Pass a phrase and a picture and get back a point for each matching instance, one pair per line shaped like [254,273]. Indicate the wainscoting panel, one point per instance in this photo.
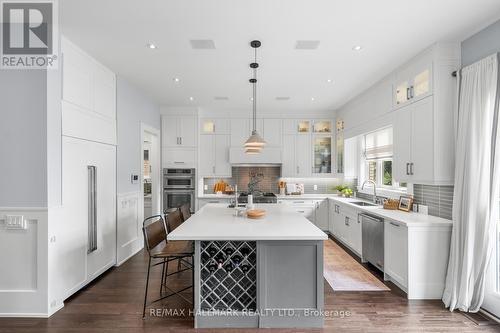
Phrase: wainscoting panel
[129,225]
[24,256]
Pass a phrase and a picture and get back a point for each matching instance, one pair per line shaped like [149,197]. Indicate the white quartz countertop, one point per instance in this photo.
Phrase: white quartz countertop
[217,222]
[410,219]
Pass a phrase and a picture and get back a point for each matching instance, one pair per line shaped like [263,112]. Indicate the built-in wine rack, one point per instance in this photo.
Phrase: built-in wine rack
[228,275]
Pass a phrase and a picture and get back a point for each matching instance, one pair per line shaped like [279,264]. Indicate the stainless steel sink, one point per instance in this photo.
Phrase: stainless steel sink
[362,203]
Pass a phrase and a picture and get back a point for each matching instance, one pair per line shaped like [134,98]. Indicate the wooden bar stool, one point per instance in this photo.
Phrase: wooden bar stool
[185,211]
[158,248]
[174,219]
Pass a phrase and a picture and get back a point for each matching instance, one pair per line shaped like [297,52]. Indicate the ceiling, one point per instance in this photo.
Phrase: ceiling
[390,32]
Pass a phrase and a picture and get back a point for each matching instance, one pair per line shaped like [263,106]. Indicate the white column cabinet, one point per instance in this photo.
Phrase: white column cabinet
[288,167]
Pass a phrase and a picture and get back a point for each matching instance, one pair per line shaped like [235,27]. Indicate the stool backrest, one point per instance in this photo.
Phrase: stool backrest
[174,219]
[154,230]
[185,211]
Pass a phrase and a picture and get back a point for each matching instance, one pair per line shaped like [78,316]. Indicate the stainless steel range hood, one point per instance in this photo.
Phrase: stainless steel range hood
[271,156]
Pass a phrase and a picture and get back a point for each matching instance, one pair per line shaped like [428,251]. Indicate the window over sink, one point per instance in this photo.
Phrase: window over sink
[376,159]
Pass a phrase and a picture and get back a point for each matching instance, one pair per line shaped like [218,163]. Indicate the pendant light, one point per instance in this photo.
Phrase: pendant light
[255,143]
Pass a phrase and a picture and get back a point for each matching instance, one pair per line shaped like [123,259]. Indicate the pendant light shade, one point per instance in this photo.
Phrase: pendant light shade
[255,142]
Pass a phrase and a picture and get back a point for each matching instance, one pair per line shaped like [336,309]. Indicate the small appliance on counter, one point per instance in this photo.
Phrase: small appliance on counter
[294,189]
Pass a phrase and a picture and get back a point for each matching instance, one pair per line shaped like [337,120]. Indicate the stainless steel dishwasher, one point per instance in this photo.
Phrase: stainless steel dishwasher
[372,239]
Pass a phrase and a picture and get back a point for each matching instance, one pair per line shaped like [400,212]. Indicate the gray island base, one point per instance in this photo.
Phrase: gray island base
[252,275]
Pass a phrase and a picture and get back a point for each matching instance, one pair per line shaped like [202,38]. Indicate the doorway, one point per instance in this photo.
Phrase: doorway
[151,171]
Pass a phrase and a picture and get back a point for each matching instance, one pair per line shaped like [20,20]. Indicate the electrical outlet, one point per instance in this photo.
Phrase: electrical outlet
[315,187]
[16,222]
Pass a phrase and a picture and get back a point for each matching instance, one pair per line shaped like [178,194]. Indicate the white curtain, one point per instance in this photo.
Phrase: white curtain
[475,199]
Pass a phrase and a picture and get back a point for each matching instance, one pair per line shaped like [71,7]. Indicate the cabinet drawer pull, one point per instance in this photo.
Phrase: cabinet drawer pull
[301,211]
[298,202]
[214,201]
[178,162]
[395,224]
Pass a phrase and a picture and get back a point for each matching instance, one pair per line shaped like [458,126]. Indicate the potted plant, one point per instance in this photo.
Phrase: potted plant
[340,188]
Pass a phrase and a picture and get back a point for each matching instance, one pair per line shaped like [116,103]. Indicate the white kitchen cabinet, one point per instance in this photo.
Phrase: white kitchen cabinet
[179,131]
[214,156]
[88,97]
[346,226]
[321,215]
[303,155]
[215,126]
[396,252]
[203,201]
[416,145]
[413,81]
[178,157]
[273,132]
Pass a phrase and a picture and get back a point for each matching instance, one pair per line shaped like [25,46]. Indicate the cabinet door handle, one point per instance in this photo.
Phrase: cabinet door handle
[408,93]
[298,169]
[407,169]
[411,168]
[180,139]
[213,169]
[394,224]
[412,92]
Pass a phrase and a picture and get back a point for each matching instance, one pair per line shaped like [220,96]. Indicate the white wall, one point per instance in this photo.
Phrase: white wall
[23,143]
[133,108]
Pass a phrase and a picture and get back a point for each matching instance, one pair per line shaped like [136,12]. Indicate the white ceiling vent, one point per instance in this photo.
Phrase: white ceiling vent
[202,44]
[221,98]
[307,44]
[282,98]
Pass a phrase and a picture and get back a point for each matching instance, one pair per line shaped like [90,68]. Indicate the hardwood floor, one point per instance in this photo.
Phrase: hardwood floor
[113,303]
[344,273]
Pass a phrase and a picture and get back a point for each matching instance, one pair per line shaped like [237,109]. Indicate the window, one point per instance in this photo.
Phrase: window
[377,158]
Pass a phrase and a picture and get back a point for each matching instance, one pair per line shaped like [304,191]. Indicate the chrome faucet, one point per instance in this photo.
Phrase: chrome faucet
[374,189]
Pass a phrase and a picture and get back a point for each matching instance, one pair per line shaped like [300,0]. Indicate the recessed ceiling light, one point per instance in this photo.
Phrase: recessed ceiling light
[329,81]
[282,98]
[357,48]
[221,98]
[312,99]
[191,98]
[307,44]
[151,46]
[176,79]
[202,44]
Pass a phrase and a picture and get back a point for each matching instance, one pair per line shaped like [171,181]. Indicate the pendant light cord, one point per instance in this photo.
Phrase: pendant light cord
[254,85]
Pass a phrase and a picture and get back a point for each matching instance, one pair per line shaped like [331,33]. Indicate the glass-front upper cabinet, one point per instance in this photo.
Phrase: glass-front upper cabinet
[304,126]
[340,146]
[322,146]
[214,126]
[413,82]
[322,126]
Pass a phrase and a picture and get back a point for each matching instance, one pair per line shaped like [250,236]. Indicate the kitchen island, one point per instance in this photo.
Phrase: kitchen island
[266,272]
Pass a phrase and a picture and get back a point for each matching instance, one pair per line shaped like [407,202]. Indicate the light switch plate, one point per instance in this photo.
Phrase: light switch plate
[16,222]
[134,179]
[315,187]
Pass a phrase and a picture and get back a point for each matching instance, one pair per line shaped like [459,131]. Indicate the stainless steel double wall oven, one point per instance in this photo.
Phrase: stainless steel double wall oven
[179,188]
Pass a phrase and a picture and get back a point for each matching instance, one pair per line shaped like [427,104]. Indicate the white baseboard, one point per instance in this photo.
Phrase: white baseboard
[128,257]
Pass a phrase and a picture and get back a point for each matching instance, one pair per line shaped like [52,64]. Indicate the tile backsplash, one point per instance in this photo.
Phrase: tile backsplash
[269,177]
[439,199]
